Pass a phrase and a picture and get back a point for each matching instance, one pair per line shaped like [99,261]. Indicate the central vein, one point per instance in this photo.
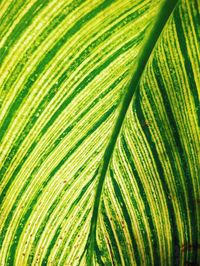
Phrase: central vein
[151,40]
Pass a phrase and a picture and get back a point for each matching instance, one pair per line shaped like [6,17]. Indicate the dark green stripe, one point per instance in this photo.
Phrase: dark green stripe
[183,158]
[37,44]
[55,237]
[72,206]
[187,61]
[50,149]
[86,81]
[115,251]
[140,187]
[24,219]
[178,146]
[53,91]
[21,26]
[43,63]
[122,205]
[77,90]
[174,228]
[10,14]
[53,207]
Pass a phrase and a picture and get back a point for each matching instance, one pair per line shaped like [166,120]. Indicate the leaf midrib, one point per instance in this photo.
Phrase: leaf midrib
[165,11]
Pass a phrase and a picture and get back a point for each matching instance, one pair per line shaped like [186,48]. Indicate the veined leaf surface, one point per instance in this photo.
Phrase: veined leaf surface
[99,132]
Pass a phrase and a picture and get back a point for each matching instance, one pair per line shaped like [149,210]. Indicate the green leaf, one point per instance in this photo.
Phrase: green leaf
[99,131]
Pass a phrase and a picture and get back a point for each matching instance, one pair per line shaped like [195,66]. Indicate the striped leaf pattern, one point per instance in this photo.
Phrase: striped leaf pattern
[99,131]
[149,205]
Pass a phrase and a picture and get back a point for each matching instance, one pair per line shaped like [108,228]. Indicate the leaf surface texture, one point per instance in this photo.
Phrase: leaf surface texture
[99,131]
